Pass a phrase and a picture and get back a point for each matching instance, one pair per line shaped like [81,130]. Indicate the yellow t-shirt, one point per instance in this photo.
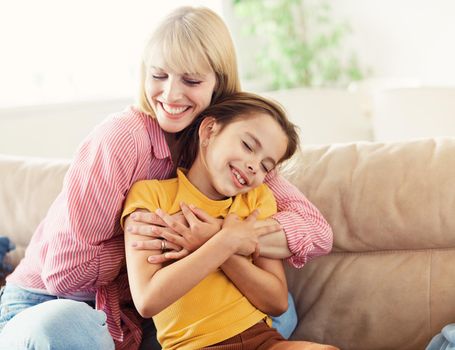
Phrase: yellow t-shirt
[214,310]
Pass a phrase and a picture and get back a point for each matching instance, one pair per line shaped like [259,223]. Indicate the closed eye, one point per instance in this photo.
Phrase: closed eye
[159,76]
[247,146]
[192,82]
[267,170]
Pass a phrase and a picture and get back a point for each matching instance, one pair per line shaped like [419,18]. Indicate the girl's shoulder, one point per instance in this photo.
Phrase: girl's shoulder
[260,198]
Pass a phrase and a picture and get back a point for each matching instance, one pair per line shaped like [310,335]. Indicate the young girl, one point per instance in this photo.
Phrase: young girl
[70,291]
[213,297]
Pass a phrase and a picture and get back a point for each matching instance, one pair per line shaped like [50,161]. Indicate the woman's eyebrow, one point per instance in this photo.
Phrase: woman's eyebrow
[194,75]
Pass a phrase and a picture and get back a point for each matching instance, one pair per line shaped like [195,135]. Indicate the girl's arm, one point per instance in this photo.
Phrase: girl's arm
[263,283]
[156,286]
[307,233]
[298,231]
[186,231]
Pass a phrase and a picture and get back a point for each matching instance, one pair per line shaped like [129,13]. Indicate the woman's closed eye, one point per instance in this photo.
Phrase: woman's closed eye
[192,82]
[159,76]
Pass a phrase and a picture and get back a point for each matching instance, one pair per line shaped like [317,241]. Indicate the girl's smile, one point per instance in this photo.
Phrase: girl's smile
[236,158]
[239,179]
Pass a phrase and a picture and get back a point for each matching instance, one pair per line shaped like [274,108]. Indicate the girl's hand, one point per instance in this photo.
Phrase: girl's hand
[198,228]
[243,234]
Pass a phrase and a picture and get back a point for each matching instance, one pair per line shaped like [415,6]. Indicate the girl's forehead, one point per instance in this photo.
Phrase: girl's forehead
[252,121]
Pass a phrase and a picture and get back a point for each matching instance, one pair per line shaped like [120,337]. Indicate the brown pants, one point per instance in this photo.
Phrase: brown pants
[262,337]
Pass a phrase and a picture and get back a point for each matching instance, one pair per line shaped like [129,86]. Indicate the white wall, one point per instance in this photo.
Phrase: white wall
[403,38]
[52,130]
[326,115]
[323,116]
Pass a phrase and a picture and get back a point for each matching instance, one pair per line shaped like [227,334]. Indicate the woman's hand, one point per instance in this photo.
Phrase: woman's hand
[143,223]
[197,228]
[184,231]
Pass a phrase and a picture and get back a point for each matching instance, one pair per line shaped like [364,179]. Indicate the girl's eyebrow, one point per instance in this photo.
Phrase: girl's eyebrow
[255,139]
[259,145]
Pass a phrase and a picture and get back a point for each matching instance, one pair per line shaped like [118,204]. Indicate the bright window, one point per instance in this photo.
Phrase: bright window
[73,50]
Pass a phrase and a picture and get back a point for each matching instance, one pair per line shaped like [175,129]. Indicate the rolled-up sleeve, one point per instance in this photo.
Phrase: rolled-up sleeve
[307,232]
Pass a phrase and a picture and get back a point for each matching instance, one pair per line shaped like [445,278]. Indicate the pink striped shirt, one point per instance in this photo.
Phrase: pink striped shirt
[79,245]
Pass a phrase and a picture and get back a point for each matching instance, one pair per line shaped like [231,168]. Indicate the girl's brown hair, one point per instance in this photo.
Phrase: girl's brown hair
[225,111]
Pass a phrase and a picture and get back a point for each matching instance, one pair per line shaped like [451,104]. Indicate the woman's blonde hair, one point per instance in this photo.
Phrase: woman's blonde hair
[193,40]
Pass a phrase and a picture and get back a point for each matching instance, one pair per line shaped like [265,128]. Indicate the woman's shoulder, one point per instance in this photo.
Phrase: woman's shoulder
[130,120]
[128,126]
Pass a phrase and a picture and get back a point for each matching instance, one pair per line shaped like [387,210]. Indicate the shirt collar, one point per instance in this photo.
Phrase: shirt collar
[159,146]
[213,207]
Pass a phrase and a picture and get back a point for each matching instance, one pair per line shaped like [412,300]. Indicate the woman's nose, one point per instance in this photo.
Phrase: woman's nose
[172,90]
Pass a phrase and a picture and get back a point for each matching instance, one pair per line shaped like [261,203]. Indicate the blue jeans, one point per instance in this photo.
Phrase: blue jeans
[45,322]
[444,340]
[37,321]
[286,323]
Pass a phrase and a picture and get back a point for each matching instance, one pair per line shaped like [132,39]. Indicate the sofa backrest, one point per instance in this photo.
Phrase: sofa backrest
[390,281]
[27,188]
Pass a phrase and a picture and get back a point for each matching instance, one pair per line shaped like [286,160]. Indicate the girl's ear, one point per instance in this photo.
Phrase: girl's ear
[207,129]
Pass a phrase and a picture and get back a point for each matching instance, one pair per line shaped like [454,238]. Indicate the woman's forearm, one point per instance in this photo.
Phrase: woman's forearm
[308,233]
[273,245]
[264,285]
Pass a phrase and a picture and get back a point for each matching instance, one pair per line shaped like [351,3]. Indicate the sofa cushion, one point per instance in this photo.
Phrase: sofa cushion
[28,187]
[389,282]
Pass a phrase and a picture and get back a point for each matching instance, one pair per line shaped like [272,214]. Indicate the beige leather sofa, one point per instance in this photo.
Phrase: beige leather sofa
[389,282]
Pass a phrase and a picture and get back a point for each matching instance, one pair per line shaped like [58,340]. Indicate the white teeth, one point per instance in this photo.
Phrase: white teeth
[173,110]
[237,175]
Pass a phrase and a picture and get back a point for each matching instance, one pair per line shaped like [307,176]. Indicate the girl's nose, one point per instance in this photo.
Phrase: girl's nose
[251,168]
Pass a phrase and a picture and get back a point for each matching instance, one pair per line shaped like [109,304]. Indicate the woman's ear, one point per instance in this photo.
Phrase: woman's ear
[207,129]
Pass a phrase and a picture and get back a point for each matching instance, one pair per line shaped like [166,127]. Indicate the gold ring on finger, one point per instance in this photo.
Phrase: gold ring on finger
[163,245]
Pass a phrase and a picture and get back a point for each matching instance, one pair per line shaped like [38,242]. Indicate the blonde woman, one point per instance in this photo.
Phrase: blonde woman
[71,291]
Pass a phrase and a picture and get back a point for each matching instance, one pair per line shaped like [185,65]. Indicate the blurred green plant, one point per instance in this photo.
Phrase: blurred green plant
[298,43]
